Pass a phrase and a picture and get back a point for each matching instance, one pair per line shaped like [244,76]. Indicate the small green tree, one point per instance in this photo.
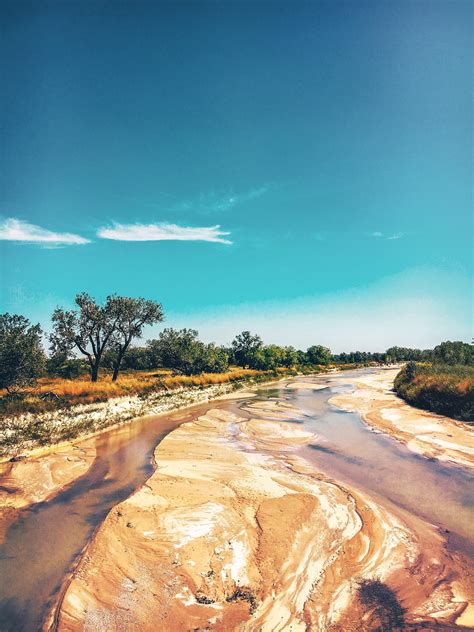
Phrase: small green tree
[290,357]
[179,350]
[244,348]
[22,358]
[182,351]
[59,365]
[317,354]
[136,358]
[269,358]
[216,359]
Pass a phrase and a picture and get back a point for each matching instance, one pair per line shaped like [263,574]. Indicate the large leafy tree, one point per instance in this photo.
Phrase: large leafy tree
[178,349]
[92,328]
[131,316]
[22,358]
[87,329]
[245,347]
[269,358]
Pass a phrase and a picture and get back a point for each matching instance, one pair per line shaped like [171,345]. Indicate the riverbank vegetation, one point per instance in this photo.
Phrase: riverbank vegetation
[91,357]
[445,385]
[53,393]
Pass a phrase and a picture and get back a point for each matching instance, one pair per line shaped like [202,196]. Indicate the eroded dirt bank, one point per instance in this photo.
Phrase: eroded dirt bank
[40,474]
[423,432]
[234,531]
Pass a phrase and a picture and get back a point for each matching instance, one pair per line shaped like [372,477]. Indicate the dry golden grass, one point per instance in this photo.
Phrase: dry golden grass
[82,391]
[448,390]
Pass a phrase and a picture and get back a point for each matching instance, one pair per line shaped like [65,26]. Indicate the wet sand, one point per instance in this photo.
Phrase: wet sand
[235,531]
[39,478]
[431,435]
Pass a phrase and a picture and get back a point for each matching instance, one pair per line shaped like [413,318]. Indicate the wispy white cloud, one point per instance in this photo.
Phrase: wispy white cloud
[378,234]
[20,231]
[218,202]
[163,232]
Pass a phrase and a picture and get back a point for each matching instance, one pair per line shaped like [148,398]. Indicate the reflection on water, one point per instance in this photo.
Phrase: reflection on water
[41,547]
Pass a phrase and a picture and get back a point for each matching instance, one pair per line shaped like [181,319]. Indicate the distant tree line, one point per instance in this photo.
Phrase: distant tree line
[94,336]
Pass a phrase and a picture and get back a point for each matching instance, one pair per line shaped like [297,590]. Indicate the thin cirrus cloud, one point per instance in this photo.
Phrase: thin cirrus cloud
[164,232]
[378,234]
[20,231]
[217,202]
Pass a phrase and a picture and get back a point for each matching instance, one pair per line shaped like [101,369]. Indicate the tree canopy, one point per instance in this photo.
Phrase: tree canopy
[317,354]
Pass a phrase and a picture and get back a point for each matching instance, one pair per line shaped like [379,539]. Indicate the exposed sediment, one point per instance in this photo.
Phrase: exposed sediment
[423,432]
[234,531]
[36,479]
[40,473]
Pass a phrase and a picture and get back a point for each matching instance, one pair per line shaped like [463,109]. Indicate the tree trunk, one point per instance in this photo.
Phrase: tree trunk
[94,372]
[119,360]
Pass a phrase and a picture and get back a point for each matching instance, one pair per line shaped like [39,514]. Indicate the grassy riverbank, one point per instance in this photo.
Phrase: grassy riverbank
[51,393]
[83,408]
[444,389]
[58,410]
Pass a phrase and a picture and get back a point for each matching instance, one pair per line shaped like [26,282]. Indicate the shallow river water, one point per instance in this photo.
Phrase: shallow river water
[43,545]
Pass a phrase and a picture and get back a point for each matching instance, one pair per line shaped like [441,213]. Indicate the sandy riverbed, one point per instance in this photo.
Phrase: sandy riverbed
[425,433]
[40,473]
[234,531]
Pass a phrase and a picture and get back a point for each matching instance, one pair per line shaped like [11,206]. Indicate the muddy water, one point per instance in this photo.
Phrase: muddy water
[41,547]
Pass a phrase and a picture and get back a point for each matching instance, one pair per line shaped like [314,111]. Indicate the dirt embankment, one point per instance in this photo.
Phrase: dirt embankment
[425,433]
[26,433]
[233,531]
[40,473]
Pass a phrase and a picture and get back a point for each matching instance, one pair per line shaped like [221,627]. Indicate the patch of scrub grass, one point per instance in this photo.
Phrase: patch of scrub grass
[444,389]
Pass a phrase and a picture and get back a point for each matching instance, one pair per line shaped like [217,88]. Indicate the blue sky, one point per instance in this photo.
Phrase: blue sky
[299,169]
